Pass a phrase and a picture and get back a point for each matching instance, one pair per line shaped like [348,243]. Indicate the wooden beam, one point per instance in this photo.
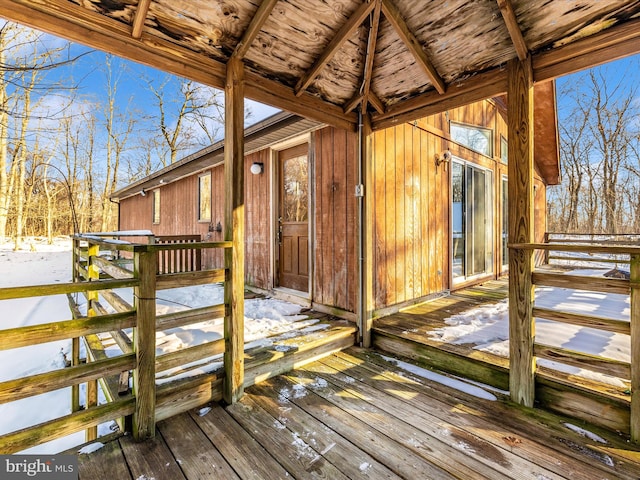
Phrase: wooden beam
[370,56]
[367,302]
[594,363]
[234,231]
[590,321]
[611,44]
[261,15]
[484,85]
[509,16]
[376,103]
[521,171]
[73,22]
[342,36]
[394,16]
[306,105]
[351,105]
[139,18]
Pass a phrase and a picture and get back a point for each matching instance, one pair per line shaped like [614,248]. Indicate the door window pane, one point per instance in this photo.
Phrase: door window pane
[457,188]
[295,195]
[204,194]
[156,206]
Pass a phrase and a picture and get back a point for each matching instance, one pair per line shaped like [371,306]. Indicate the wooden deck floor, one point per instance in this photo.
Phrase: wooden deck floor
[353,415]
[407,333]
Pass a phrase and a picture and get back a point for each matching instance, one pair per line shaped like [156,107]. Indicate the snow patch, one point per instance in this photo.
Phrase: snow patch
[585,433]
[92,447]
[436,377]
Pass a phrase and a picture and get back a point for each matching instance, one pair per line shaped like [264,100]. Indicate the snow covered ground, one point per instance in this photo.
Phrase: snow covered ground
[39,263]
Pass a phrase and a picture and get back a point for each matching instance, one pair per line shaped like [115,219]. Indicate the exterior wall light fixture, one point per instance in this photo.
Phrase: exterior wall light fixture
[444,157]
[257,168]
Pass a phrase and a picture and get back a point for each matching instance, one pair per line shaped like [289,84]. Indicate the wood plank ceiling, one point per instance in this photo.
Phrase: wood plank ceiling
[400,59]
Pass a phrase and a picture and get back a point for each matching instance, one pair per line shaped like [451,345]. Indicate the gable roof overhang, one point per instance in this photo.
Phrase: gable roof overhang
[277,128]
[401,59]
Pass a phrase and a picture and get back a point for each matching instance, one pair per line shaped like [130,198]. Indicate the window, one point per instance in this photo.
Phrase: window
[504,150]
[204,196]
[156,206]
[476,138]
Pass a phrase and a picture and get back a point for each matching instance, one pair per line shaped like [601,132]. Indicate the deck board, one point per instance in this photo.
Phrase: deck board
[355,415]
[197,456]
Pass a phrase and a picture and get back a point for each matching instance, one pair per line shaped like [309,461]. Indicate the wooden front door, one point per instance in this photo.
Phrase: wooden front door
[293,219]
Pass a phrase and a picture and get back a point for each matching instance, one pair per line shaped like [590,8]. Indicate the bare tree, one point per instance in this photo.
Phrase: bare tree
[191,116]
[118,127]
[598,134]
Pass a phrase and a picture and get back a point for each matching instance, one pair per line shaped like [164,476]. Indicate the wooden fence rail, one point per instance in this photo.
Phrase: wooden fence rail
[589,239]
[627,370]
[98,271]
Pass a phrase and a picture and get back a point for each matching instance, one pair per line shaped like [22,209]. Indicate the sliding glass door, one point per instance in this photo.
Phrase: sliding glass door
[471,220]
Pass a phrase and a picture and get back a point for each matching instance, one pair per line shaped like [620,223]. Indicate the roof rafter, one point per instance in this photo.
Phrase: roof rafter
[261,15]
[509,16]
[139,18]
[336,42]
[376,103]
[363,94]
[394,16]
[486,84]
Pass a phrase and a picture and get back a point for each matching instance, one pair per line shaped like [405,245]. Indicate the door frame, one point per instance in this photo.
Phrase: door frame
[275,209]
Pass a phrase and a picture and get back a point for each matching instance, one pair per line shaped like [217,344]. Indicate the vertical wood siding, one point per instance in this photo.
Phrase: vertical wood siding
[411,214]
[335,170]
[257,213]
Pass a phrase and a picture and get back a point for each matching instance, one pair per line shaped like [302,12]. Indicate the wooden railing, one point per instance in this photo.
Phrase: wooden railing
[559,256]
[98,270]
[524,348]
[182,260]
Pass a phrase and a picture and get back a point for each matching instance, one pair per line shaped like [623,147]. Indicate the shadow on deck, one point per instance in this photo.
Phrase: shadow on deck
[355,415]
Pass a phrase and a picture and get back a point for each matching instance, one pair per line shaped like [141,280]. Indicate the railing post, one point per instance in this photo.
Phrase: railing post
[546,252]
[75,342]
[93,272]
[144,340]
[634,299]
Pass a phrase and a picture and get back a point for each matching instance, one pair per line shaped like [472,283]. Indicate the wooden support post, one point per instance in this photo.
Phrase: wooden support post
[92,389]
[75,361]
[75,342]
[634,271]
[546,252]
[234,231]
[367,288]
[521,321]
[144,341]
